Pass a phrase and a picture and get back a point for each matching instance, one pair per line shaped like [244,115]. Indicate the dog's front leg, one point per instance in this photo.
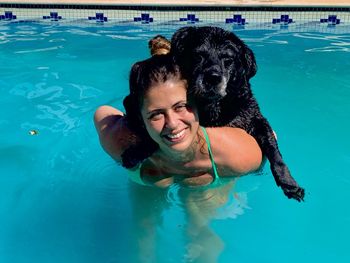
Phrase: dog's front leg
[265,137]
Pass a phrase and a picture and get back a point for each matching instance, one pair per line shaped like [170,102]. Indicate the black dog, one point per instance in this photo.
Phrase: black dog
[218,66]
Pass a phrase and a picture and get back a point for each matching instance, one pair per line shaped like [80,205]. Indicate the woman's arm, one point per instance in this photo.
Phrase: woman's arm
[112,130]
[235,150]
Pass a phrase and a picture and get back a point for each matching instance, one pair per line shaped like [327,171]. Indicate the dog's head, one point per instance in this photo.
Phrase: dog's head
[211,58]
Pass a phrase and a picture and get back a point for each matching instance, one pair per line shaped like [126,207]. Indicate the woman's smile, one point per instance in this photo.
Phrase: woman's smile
[175,137]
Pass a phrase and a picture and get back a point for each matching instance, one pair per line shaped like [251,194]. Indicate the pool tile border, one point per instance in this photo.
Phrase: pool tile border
[148,14]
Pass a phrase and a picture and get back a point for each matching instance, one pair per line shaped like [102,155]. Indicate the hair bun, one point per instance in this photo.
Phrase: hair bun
[159,45]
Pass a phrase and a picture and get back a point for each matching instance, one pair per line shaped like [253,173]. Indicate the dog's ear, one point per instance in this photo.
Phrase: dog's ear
[132,113]
[141,145]
[246,56]
[182,42]
[249,62]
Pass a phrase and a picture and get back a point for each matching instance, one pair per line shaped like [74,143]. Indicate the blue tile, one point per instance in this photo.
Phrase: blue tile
[144,16]
[105,19]
[191,18]
[236,19]
[332,18]
[338,21]
[284,18]
[151,19]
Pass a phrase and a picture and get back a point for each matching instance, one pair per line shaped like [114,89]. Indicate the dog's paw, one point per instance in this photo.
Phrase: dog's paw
[285,180]
[294,192]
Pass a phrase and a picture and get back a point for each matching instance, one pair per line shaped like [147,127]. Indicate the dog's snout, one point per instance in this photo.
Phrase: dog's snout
[213,78]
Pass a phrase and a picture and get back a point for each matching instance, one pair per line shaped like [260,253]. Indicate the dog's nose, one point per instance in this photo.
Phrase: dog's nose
[213,78]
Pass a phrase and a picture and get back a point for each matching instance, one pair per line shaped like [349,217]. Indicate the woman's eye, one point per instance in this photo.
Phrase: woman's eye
[155,117]
[180,108]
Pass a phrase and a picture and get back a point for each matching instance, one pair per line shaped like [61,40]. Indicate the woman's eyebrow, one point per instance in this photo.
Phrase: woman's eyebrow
[154,111]
[161,110]
[180,102]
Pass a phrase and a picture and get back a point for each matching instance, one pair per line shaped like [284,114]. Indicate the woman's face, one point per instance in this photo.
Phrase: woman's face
[167,117]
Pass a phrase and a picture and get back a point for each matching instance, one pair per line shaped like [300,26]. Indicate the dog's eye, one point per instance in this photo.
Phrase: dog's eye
[198,58]
[227,62]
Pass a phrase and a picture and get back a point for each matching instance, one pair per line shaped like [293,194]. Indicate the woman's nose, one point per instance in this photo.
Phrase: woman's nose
[171,120]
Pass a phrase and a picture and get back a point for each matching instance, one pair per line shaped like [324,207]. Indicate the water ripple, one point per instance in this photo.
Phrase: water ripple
[38,50]
[86,91]
[220,202]
[27,39]
[329,49]
[57,40]
[123,37]
[82,32]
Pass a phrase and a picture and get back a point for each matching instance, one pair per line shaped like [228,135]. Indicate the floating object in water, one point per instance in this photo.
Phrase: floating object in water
[33,132]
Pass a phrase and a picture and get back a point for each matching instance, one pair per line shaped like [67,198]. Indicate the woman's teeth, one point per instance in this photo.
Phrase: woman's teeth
[177,135]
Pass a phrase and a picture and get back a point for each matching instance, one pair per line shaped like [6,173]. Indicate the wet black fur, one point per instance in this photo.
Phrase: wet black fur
[208,56]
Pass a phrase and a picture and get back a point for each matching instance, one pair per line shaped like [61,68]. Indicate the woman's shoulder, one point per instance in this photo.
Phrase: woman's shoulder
[112,130]
[234,149]
[105,118]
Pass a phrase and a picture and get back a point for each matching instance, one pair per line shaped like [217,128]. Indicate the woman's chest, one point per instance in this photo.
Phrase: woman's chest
[191,174]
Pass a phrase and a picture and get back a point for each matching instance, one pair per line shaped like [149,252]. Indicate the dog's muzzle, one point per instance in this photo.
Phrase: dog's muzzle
[214,84]
[212,78]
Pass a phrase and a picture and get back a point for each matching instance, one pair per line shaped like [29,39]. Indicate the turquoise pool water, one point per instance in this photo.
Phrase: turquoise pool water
[62,199]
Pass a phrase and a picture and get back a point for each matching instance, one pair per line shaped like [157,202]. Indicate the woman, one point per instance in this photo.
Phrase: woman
[157,111]
[185,153]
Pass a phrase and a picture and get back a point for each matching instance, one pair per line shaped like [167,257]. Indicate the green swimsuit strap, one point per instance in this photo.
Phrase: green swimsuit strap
[216,174]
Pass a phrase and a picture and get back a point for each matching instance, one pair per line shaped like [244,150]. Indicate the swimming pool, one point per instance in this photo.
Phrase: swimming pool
[64,200]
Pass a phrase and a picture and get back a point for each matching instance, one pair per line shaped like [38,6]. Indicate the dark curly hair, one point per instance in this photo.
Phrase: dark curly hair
[143,75]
